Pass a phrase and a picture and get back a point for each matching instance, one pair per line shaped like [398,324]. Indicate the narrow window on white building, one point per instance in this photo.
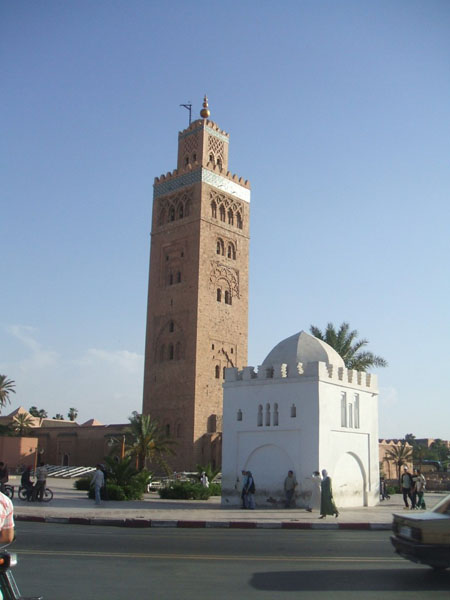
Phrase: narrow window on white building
[293,411]
[267,414]
[260,415]
[275,414]
[239,415]
[343,409]
[356,411]
[350,414]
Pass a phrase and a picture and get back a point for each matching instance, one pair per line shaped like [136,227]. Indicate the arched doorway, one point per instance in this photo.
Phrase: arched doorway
[350,481]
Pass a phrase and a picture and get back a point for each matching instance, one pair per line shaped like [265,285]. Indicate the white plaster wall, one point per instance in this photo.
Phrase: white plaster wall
[311,441]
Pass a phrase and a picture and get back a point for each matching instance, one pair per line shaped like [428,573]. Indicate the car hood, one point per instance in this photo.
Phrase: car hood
[426,516]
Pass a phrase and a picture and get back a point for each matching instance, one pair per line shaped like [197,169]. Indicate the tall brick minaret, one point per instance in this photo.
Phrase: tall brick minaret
[197,314]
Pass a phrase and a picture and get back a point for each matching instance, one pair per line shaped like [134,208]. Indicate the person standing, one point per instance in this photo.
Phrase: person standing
[41,481]
[327,505]
[26,483]
[249,491]
[407,484]
[420,483]
[290,483]
[314,499]
[98,481]
[244,484]
[204,480]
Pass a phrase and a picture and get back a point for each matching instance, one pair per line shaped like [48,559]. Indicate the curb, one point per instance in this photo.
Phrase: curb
[146,523]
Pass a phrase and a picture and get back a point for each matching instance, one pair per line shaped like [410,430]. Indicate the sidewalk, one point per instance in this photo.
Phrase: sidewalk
[73,507]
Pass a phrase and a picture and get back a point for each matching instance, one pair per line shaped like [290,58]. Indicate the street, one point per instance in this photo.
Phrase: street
[65,562]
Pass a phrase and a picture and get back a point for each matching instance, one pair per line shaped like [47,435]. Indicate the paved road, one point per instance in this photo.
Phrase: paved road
[65,562]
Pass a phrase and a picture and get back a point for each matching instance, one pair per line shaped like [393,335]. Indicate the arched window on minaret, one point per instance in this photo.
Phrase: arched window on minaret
[172,214]
[227,297]
[219,163]
[211,158]
[167,430]
[239,415]
[187,208]
[230,217]
[171,326]
[222,213]
[171,353]
[239,220]
[220,247]
[260,416]
[267,414]
[179,277]
[180,211]
[217,372]
[213,210]
[162,217]
[231,252]
[186,161]
[219,295]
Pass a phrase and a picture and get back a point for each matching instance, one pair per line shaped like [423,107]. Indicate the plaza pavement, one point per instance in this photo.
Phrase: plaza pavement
[73,507]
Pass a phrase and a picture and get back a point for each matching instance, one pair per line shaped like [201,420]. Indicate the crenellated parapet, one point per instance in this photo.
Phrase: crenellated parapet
[210,166]
[317,370]
[203,124]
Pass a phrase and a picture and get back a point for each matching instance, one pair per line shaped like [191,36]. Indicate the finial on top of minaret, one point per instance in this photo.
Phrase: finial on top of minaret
[205,112]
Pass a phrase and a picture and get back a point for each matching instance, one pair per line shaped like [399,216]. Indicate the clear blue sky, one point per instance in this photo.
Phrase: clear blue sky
[338,114]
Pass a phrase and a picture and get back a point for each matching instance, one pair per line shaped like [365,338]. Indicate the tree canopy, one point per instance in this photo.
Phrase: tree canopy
[346,344]
[145,441]
[6,388]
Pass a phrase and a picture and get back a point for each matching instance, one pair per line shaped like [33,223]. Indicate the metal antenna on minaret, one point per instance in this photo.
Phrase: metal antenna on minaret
[189,107]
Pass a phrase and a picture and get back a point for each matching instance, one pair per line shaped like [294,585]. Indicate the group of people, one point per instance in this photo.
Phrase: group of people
[321,497]
[34,491]
[413,488]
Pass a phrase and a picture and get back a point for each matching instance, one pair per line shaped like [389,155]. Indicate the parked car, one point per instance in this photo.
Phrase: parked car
[424,537]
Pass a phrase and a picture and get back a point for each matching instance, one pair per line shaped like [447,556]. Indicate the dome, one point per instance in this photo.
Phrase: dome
[305,348]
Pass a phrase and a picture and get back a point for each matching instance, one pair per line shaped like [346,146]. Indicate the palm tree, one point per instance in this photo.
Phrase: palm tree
[58,417]
[399,455]
[348,347]
[72,414]
[22,424]
[209,471]
[39,413]
[6,388]
[145,441]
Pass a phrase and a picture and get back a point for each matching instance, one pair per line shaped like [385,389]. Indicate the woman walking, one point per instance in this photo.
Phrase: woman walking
[327,505]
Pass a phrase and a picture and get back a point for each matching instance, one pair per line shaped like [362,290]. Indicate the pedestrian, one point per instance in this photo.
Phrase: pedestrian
[204,480]
[98,481]
[290,483]
[105,477]
[249,491]
[420,484]
[327,505]
[407,484]
[41,480]
[244,484]
[26,483]
[314,499]
[6,521]
[4,476]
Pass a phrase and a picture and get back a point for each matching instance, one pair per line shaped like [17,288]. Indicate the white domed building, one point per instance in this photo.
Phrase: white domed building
[302,410]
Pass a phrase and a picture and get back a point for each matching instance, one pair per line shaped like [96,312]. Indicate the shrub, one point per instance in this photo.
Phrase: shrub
[82,483]
[113,492]
[215,489]
[185,490]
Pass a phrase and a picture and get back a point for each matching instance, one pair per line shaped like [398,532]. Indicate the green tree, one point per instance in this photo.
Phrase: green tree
[72,414]
[22,424]
[58,417]
[440,451]
[399,455]
[145,441]
[6,388]
[39,413]
[210,473]
[346,344]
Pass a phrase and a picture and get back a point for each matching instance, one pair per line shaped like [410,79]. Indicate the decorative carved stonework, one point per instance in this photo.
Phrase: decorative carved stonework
[231,276]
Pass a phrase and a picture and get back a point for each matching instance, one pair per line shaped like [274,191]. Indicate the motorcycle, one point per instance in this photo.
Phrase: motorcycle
[8,585]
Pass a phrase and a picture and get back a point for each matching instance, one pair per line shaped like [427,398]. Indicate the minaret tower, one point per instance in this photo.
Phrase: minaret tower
[197,314]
